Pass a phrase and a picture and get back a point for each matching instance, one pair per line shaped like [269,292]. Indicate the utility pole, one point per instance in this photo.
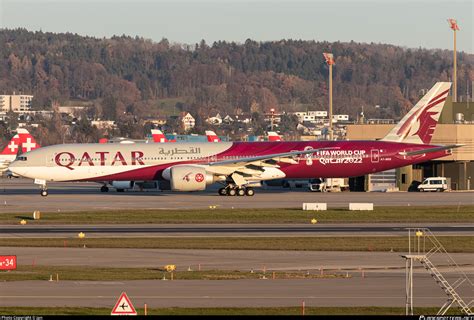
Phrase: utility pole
[454,26]
[330,61]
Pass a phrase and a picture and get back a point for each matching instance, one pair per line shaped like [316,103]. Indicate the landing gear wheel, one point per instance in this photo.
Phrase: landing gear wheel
[231,192]
[249,192]
[241,192]
[222,191]
[120,190]
[44,193]
[104,189]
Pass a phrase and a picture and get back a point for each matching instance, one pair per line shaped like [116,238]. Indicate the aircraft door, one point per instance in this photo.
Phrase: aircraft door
[374,156]
[49,160]
[212,158]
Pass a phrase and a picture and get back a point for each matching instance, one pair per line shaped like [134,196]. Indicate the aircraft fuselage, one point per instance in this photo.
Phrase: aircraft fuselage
[119,162]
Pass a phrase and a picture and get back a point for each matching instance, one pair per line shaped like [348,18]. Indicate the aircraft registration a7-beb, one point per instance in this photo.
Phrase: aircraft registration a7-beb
[239,166]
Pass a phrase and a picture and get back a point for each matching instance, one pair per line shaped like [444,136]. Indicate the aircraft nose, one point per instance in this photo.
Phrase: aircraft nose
[17,169]
[13,164]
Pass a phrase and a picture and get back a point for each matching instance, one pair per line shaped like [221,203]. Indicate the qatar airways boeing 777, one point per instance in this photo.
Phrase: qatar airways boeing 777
[239,166]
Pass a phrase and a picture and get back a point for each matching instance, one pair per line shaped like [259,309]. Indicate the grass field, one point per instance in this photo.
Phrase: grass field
[397,244]
[380,214]
[297,310]
[40,272]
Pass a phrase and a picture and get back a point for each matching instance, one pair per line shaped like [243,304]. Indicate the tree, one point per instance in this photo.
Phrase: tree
[131,75]
[109,108]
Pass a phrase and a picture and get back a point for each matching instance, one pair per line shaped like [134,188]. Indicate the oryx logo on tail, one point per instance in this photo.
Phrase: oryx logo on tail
[419,124]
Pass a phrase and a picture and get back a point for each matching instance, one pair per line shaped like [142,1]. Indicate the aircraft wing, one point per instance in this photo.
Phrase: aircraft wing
[436,149]
[243,170]
[275,157]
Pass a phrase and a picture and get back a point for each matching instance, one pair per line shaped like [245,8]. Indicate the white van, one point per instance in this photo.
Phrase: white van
[438,184]
[328,185]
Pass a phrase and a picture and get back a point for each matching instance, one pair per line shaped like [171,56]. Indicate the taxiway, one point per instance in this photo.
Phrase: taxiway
[21,195]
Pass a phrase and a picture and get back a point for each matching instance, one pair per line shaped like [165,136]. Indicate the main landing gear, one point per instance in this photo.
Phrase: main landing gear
[104,188]
[236,191]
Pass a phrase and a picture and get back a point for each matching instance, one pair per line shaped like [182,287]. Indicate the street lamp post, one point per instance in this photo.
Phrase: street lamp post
[272,110]
[454,26]
[330,61]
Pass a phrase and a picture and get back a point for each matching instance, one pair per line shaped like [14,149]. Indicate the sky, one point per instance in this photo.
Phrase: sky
[413,24]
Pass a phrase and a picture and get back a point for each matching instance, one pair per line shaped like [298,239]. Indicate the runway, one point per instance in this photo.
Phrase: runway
[231,230]
[21,195]
[382,290]
[244,260]
[383,282]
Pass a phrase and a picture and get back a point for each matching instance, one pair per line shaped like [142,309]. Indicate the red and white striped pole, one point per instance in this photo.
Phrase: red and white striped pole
[454,26]
[330,61]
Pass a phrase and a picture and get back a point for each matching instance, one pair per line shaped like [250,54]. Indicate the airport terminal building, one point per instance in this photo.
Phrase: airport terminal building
[456,126]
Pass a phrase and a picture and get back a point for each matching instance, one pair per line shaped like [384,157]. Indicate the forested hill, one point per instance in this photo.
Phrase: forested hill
[134,74]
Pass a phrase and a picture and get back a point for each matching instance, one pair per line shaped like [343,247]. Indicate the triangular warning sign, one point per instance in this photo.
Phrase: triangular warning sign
[123,307]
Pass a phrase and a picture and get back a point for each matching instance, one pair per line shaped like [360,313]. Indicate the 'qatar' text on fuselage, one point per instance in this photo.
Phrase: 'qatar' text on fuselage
[68,159]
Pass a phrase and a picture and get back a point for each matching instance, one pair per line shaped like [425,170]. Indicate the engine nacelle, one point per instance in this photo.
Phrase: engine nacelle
[122,185]
[270,173]
[188,178]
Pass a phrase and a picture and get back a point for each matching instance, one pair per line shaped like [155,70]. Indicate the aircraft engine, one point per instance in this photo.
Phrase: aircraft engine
[122,185]
[188,178]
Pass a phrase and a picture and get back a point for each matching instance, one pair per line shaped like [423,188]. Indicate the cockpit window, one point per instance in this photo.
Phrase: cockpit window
[22,158]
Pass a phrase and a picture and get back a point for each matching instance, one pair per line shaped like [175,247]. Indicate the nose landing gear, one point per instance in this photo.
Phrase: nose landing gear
[43,187]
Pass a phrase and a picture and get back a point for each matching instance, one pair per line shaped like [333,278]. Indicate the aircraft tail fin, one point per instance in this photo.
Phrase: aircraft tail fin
[21,140]
[158,135]
[273,136]
[418,125]
[212,136]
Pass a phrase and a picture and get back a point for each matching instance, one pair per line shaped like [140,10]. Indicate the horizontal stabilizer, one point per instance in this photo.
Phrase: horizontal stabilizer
[429,150]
